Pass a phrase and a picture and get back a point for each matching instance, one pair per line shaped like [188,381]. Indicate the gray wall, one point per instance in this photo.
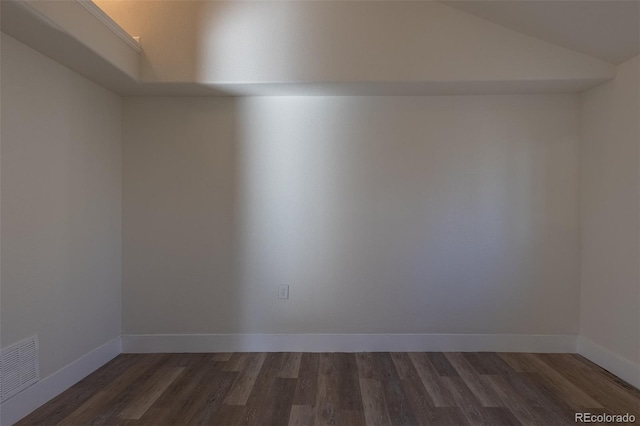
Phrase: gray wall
[61,208]
[610,214]
[385,215]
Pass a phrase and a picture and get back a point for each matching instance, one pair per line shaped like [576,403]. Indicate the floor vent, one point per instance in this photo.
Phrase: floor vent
[18,367]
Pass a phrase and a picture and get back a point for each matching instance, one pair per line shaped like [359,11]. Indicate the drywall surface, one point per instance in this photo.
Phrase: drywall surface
[73,19]
[610,215]
[61,208]
[382,214]
[67,32]
[252,42]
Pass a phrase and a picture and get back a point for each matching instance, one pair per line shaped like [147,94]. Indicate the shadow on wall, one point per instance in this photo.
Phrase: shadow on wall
[180,215]
[382,214]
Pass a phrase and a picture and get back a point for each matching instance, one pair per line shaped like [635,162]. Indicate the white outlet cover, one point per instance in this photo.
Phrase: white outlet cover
[283,292]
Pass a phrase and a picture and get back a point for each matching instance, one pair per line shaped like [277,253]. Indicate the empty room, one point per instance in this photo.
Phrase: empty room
[318,212]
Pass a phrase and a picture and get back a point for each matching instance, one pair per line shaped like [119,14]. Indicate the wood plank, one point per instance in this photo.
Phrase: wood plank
[326,405]
[307,383]
[485,394]
[222,356]
[474,361]
[516,402]
[403,365]
[111,414]
[526,385]
[64,404]
[548,417]
[430,380]
[375,408]
[108,372]
[349,397]
[494,416]
[473,411]
[277,409]
[605,375]
[464,398]
[607,393]
[398,405]
[366,366]
[153,417]
[182,390]
[54,411]
[575,398]
[88,410]
[271,397]
[418,397]
[338,391]
[105,404]
[516,361]
[237,361]
[301,415]
[441,364]
[150,393]
[187,359]
[447,416]
[239,393]
[351,417]
[555,389]
[201,406]
[487,363]
[229,415]
[290,367]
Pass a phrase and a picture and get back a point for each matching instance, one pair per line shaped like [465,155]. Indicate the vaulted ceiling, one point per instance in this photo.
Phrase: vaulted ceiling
[333,48]
[605,29]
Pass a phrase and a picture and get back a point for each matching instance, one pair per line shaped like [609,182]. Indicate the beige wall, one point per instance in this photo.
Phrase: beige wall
[61,208]
[610,197]
[383,214]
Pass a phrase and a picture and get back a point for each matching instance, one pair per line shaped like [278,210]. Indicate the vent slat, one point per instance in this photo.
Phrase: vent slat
[11,383]
[10,359]
[18,367]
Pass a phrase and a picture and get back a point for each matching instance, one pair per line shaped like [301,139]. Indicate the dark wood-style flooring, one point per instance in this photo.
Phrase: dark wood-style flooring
[340,389]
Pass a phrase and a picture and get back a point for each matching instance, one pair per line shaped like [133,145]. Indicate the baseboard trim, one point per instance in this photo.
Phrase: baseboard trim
[181,343]
[23,403]
[621,367]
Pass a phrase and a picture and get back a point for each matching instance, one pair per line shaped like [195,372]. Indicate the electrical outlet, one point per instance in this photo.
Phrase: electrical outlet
[283,292]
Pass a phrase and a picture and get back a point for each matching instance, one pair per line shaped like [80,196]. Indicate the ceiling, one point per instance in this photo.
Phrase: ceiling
[605,29]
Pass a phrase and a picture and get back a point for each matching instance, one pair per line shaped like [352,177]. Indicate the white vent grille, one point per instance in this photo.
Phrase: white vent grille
[18,367]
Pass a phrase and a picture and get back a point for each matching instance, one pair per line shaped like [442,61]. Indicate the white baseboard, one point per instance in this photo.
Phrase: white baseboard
[174,343]
[34,396]
[621,367]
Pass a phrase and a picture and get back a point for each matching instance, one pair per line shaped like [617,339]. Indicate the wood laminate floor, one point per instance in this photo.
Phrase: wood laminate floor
[340,389]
